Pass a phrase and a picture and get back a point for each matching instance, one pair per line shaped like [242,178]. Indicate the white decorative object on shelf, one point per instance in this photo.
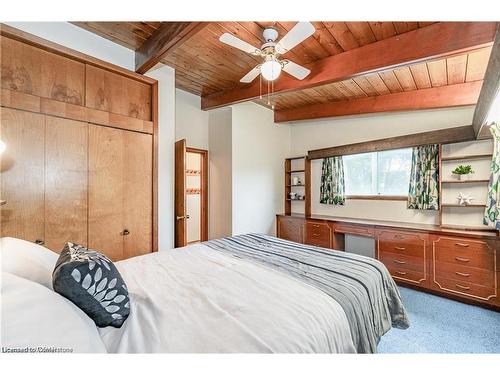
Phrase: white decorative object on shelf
[464,199]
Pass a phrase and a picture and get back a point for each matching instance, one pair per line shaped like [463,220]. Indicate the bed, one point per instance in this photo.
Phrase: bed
[254,294]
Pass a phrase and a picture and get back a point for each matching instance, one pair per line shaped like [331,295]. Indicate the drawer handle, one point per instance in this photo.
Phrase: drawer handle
[399,236]
[399,248]
[462,287]
[315,225]
[315,234]
[462,274]
[462,244]
[462,259]
[399,261]
[401,273]
[40,242]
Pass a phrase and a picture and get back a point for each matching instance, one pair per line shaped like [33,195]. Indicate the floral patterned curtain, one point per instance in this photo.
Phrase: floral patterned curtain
[492,211]
[332,181]
[423,192]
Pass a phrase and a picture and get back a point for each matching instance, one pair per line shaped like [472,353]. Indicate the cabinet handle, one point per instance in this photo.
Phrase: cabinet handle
[399,236]
[462,274]
[125,232]
[462,244]
[315,234]
[401,273]
[399,261]
[39,242]
[315,225]
[399,248]
[462,287]
[462,259]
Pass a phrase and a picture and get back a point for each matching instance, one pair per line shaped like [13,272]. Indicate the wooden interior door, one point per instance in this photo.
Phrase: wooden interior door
[22,175]
[106,191]
[138,193]
[66,146]
[180,193]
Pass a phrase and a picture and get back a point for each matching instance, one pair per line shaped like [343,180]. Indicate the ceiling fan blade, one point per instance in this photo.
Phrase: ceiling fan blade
[238,43]
[300,32]
[296,70]
[251,75]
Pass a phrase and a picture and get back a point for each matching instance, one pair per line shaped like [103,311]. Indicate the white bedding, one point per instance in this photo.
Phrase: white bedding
[198,300]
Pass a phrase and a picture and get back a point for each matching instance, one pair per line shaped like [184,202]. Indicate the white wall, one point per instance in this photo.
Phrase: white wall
[220,173]
[86,42]
[166,138]
[259,148]
[191,123]
[312,135]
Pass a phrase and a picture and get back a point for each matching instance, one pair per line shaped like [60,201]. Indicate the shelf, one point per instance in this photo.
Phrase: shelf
[459,205]
[468,227]
[295,171]
[469,157]
[464,181]
[302,185]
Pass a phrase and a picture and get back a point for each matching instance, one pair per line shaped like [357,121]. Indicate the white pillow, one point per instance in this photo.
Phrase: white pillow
[34,316]
[28,260]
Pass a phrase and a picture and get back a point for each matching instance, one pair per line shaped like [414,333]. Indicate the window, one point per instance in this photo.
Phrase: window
[384,173]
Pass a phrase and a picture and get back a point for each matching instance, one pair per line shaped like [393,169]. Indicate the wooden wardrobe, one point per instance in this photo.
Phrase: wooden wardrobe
[81,149]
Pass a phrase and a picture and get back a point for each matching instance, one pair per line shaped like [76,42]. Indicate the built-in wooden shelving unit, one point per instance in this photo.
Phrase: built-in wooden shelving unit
[455,208]
[303,170]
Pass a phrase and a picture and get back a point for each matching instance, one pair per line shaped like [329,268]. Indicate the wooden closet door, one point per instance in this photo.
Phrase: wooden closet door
[138,189]
[120,192]
[106,193]
[22,174]
[66,169]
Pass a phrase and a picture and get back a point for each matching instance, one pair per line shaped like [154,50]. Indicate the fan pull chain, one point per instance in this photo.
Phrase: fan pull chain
[260,85]
[268,100]
[272,94]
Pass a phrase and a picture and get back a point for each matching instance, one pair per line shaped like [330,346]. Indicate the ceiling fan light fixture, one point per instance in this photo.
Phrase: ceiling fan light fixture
[271,70]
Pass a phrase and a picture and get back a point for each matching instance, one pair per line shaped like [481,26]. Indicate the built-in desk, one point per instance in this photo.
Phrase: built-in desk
[459,264]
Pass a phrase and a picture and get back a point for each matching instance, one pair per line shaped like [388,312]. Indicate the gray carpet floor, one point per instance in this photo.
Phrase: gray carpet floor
[440,325]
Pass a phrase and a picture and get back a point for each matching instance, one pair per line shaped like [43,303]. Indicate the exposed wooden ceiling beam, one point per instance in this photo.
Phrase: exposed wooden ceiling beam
[169,36]
[435,41]
[442,136]
[491,88]
[437,97]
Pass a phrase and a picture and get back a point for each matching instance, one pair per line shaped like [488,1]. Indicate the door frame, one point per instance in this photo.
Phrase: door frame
[204,190]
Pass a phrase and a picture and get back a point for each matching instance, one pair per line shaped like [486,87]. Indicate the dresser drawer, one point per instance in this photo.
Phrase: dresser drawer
[461,273]
[404,243]
[359,230]
[465,288]
[463,252]
[290,229]
[403,262]
[400,273]
[318,234]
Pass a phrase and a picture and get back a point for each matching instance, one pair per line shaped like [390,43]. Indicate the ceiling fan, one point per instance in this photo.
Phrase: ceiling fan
[271,50]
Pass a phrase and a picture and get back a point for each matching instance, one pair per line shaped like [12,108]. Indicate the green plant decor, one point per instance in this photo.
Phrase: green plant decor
[463,169]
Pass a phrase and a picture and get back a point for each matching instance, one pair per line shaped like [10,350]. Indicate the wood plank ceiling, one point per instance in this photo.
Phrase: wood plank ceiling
[204,66]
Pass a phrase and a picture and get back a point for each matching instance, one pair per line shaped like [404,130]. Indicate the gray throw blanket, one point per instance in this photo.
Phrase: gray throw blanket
[361,285]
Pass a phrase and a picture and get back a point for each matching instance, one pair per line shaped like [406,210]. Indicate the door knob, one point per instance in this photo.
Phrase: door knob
[125,232]
[182,217]
[39,242]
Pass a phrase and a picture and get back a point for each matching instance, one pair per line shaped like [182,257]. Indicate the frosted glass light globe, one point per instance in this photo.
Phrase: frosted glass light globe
[2,147]
[270,70]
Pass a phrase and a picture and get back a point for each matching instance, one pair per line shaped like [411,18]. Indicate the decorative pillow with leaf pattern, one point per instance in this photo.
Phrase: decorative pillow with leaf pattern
[91,281]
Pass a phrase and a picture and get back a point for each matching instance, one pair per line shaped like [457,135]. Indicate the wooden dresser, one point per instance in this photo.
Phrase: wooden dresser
[455,264]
